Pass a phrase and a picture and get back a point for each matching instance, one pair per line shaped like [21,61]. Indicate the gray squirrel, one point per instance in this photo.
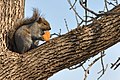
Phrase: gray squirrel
[28,32]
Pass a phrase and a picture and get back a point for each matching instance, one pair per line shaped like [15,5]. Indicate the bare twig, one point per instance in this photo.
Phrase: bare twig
[74,10]
[81,3]
[54,34]
[110,3]
[116,1]
[60,32]
[115,64]
[102,62]
[102,72]
[83,68]
[57,34]
[86,12]
[77,14]
[97,15]
[103,68]
[76,19]
[66,25]
[87,70]
[73,4]
[79,65]
[105,1]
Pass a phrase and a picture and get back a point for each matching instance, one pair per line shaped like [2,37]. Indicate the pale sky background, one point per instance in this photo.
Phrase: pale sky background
[55,11]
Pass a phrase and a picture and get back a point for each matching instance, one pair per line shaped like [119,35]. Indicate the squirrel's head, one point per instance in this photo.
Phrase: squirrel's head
[44,25]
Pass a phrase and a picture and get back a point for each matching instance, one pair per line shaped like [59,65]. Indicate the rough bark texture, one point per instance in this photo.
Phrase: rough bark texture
[59,53]
[10,11]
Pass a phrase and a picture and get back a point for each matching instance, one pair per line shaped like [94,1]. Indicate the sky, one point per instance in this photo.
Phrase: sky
[55,11]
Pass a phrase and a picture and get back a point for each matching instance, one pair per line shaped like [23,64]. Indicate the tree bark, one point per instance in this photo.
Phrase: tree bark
[10,11]
[59,53]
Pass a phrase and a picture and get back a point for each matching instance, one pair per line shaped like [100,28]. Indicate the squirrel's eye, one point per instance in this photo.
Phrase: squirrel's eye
[44,23]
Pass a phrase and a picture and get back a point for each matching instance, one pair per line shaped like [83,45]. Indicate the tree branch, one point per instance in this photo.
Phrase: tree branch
[87,70]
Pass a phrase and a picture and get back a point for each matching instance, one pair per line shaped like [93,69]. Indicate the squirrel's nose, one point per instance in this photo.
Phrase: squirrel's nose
[50,29]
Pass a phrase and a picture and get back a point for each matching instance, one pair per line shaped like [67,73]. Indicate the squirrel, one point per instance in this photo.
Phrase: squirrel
[28,32]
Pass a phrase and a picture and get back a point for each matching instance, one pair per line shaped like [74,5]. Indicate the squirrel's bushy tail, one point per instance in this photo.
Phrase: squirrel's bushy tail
[27,21]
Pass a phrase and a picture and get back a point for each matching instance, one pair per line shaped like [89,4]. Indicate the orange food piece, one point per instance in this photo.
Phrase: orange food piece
[46,36]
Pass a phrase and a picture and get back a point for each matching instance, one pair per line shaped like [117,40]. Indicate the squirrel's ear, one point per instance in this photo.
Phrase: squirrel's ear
[39,20]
